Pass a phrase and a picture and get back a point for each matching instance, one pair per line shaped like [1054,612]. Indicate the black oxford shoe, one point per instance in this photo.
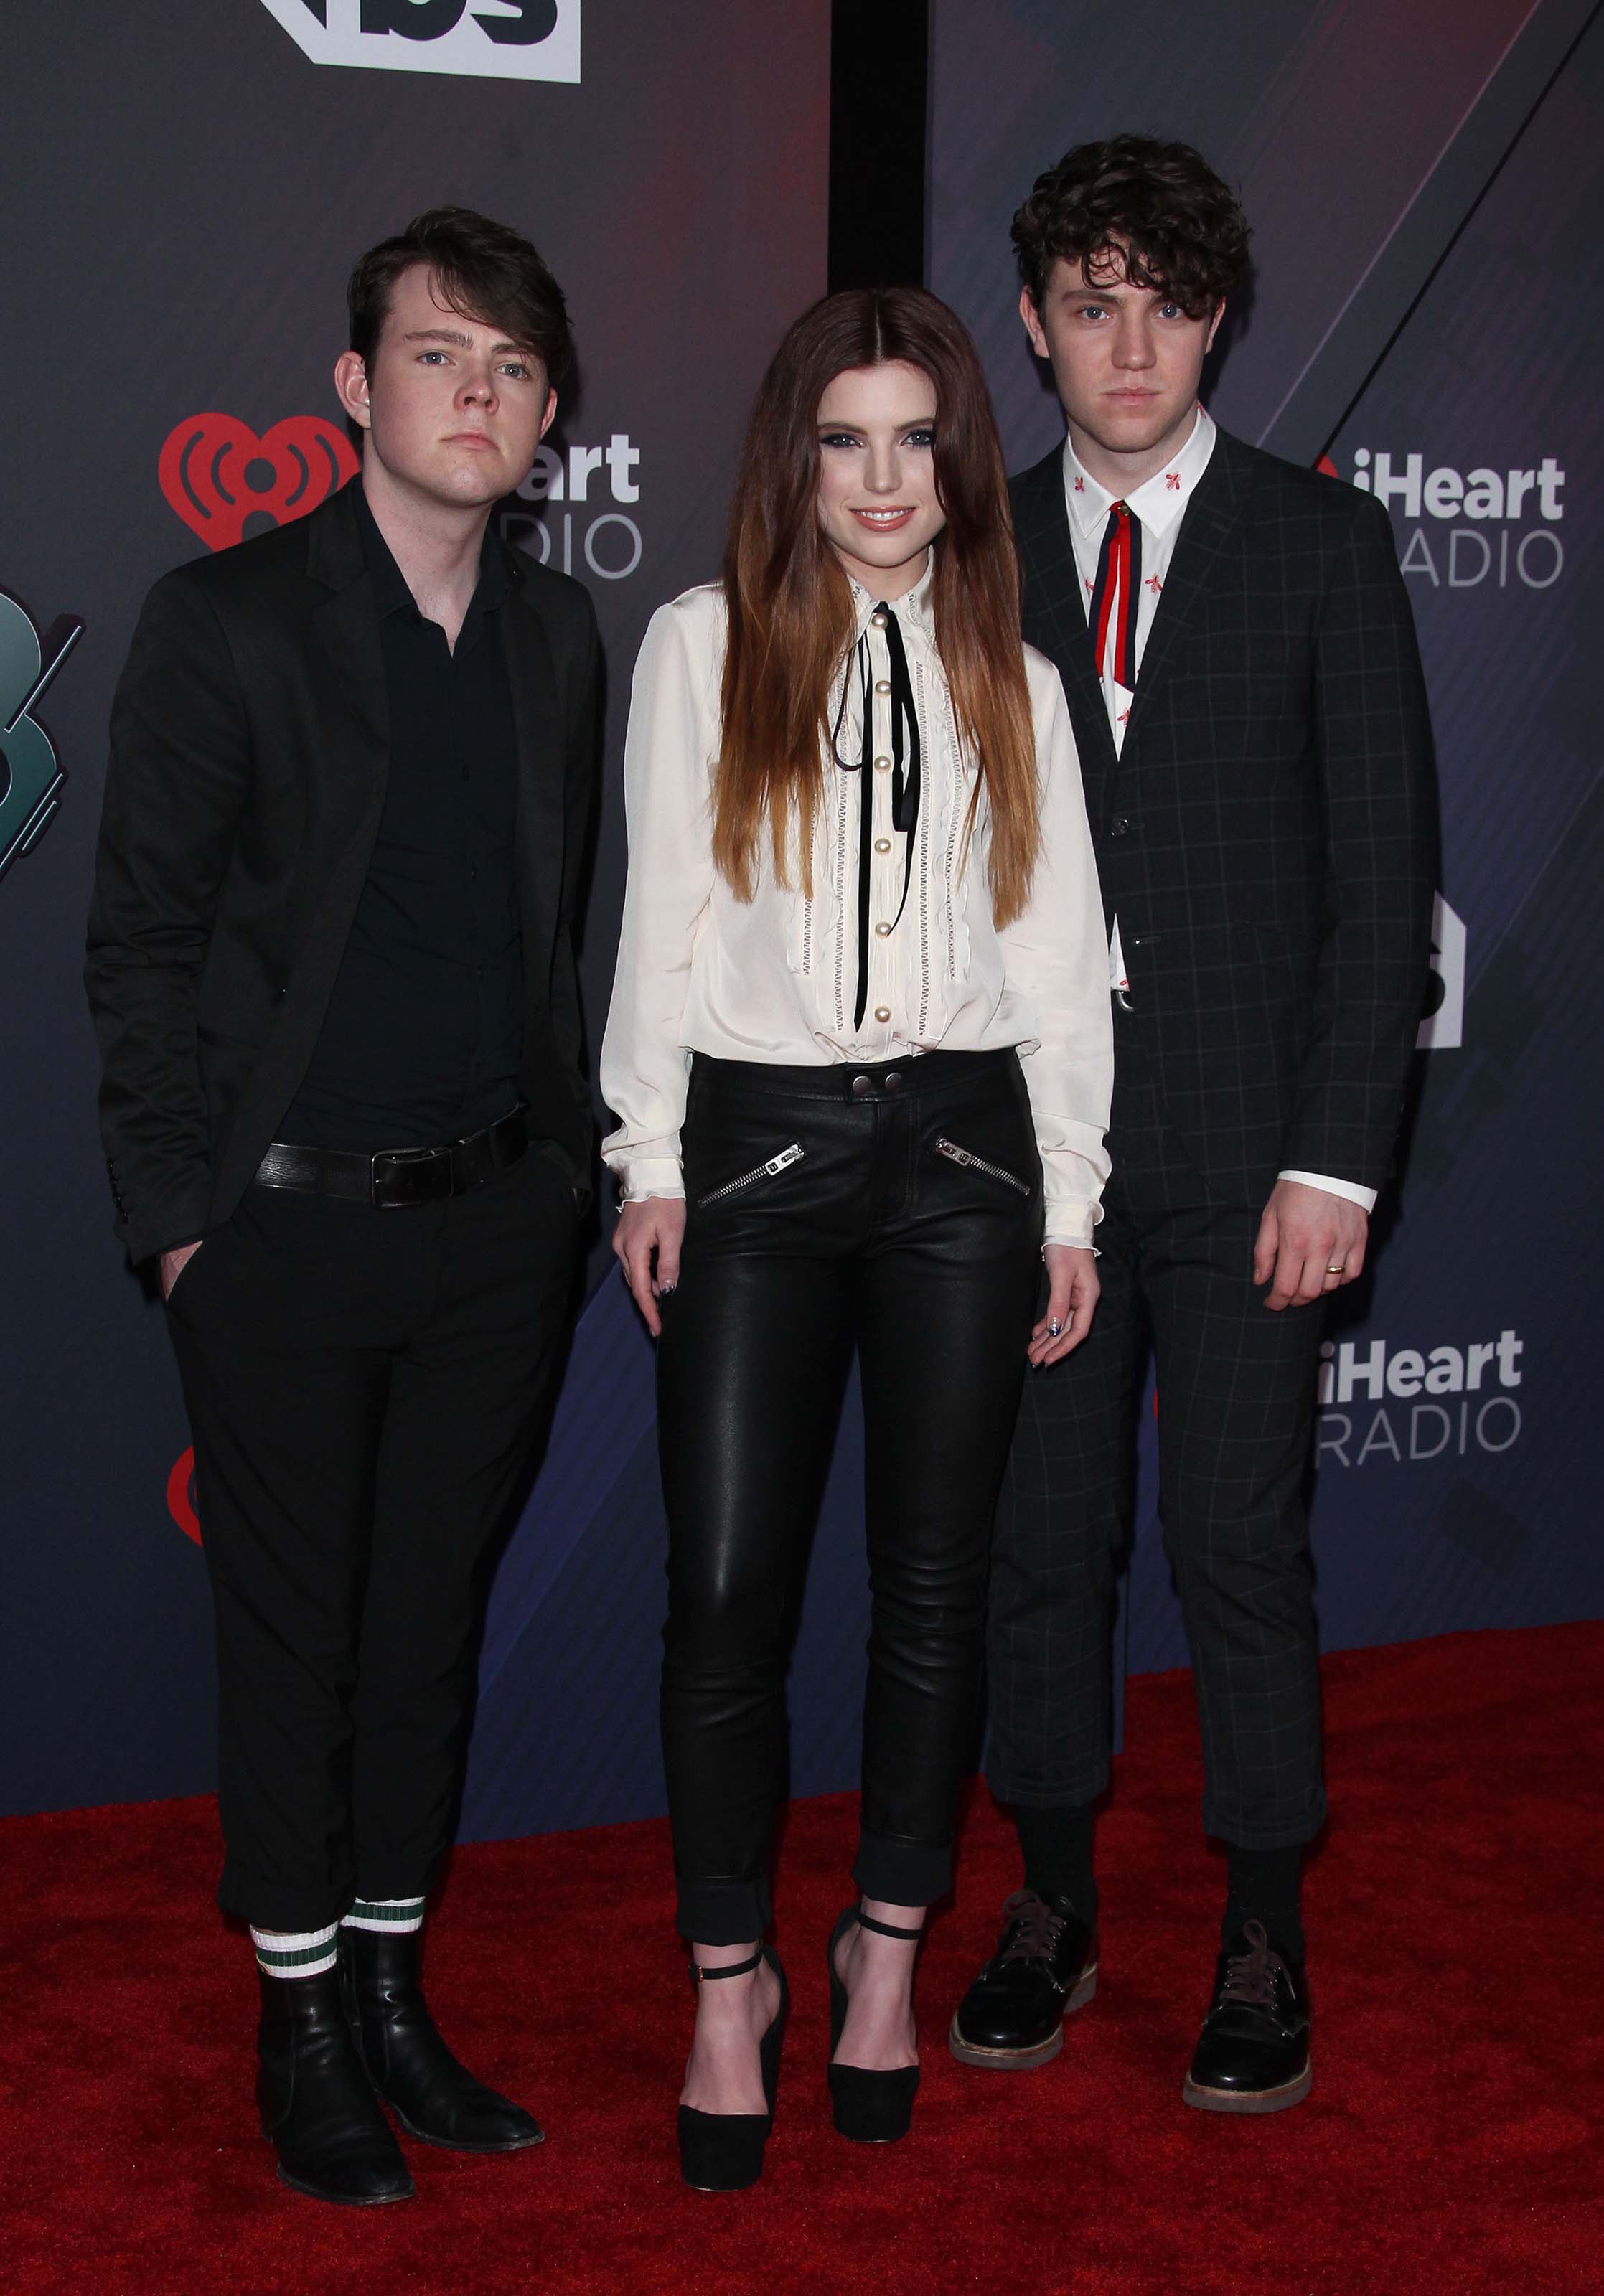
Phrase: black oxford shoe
[432,2094]
[1253,2055]
[1045,1966]
[316,2103]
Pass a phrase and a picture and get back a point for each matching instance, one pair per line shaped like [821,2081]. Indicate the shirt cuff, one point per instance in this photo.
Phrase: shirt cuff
[1365,1198]
[658,1175]
[1072,1224]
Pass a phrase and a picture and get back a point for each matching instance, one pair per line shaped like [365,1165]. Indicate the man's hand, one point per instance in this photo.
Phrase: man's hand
[172,1264]
[654,1225]
[1071,1293]
[1311,1242]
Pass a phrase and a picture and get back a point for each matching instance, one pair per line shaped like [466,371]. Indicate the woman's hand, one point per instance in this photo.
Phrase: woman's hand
[656,1224]
[1072,1289]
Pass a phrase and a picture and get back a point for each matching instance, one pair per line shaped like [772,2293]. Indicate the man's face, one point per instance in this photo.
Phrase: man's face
[452,409]
[1127,360]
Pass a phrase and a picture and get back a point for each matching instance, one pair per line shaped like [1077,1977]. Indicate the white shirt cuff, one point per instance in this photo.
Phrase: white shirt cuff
[1365,1198]
[651,1176]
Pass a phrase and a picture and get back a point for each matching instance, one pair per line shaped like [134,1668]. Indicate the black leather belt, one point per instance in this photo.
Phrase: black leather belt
[397,1178]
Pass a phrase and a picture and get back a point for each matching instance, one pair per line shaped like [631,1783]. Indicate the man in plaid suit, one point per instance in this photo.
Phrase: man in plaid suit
[1235,644]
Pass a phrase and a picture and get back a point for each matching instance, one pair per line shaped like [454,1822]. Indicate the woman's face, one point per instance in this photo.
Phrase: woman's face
[878,502]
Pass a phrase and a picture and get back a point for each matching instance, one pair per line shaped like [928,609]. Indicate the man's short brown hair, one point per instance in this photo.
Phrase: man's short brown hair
[483,270]
[1131,208]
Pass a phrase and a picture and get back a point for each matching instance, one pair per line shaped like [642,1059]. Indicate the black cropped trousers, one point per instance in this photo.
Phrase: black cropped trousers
[365,1390]
[896,1209]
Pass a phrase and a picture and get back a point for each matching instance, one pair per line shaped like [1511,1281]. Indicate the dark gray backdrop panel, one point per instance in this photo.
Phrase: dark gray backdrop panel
[184,191]
[1341,120]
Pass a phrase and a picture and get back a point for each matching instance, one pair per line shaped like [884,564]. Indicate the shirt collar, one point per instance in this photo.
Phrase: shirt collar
[1158,502]
[390,592]
[914,610]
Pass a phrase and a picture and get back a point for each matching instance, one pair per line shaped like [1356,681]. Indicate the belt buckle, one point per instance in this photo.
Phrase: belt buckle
[410,1176]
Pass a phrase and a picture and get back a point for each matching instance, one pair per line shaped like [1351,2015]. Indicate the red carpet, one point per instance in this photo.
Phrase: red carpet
[1450,2145]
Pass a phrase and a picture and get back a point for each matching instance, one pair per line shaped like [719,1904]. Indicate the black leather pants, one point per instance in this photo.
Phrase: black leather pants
[830,1207]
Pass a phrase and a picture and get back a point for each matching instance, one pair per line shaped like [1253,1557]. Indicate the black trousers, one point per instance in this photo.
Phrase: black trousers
[364,1388]
[1236,1407]
[825,1213]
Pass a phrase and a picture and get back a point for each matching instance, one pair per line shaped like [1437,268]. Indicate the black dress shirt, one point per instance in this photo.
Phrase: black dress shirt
[423,1035]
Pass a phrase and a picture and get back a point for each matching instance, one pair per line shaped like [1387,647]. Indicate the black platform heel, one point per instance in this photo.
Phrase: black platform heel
[871,2108]
[723,2152]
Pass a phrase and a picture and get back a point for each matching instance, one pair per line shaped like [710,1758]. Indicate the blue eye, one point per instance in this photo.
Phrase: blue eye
[836,439]
[922,436]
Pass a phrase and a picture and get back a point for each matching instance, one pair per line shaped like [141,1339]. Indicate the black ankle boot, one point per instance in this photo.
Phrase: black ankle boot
[317,2106]
[432,2094]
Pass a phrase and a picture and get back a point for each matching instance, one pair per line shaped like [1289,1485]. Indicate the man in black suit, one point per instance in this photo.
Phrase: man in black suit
[331,973]
[1238,650]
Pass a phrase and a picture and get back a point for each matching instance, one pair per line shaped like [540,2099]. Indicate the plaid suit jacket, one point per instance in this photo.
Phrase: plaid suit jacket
[1267,833]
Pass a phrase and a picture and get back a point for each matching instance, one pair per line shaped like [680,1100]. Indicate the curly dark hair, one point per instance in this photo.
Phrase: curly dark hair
[1156,213]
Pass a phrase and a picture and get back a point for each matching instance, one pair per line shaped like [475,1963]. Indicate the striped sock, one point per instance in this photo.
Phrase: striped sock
[295,1953]
[396,1916]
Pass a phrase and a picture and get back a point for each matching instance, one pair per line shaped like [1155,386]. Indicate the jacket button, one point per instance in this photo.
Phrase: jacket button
[1119,826]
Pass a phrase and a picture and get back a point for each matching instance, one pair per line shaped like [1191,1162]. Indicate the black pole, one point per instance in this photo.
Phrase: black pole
[879,63]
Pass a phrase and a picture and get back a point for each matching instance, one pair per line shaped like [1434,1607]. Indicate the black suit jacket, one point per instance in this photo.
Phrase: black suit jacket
[1267,834]
[250,748]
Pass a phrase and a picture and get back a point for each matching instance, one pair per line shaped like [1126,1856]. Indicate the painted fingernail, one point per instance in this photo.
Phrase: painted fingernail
[664,1290]
[1053,1328]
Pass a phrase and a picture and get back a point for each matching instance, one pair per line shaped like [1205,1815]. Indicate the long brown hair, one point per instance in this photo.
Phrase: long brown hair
[790,606]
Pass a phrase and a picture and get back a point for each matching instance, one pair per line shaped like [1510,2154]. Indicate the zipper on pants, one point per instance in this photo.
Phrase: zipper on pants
[971,1162]
[787,1156]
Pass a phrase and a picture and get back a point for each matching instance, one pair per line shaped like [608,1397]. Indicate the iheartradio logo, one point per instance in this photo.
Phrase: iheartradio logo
[218,474]
[181,1495]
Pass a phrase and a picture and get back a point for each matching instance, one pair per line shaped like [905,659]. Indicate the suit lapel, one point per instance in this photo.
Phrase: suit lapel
[538,723]
[1054,616]
[346,663]
[1206,528]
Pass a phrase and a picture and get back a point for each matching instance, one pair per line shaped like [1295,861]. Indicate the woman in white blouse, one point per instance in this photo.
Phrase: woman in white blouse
[858,1049]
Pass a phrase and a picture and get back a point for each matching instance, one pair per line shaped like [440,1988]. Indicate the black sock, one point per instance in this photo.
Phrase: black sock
[1057,1854]
[1262,1886]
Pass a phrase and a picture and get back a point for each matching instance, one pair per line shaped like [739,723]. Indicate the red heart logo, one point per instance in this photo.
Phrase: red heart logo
[215,472]
[181,1496]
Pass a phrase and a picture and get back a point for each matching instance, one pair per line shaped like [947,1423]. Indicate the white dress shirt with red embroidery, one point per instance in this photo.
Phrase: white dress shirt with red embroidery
[1157,505]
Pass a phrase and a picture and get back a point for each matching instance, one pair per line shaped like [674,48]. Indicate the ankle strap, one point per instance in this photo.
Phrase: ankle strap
[699,1975]
[884,1928]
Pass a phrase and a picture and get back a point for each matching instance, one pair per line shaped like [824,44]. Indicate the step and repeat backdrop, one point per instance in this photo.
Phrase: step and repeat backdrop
[186,189]
[1423,178]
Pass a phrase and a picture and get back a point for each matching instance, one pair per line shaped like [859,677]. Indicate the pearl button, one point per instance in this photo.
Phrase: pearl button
[879,619]
[883,764]
[883,685]
[883,931]
[883,845]
[882,1011]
